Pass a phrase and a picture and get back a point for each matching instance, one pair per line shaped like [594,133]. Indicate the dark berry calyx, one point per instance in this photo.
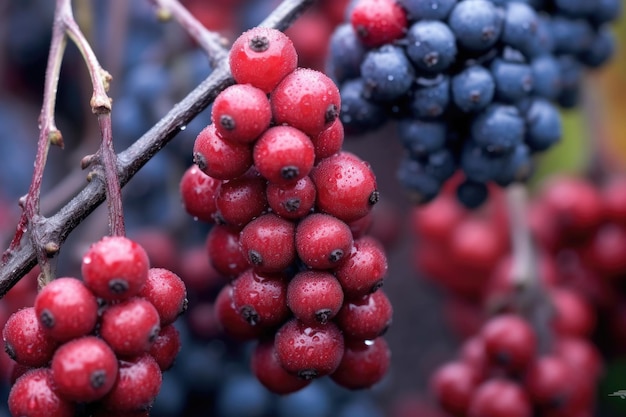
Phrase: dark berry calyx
[200,161]
[118,285]
[255,257]
[250,315]
[374,197]
[289,172]
[331,113]
[377,286]
[323,315]
[336,255]
[259,43]
[47,319]
[227,122]
[154,333]
[10,350]
[307,374]
[98,378]
[292,204]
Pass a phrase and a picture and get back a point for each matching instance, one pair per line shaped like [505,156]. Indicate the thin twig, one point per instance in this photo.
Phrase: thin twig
[57,227]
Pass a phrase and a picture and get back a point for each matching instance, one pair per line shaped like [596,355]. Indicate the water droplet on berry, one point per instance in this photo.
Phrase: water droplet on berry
[369,342]
[87,260]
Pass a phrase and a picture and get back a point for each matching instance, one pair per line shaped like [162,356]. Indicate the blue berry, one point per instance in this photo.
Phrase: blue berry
[477,24]
[421,137]
[440,164]
[514,80]
[480,165]
[387,72]
[359,115]
[606,11]
[498,129]
[473,89]
[430,97]
[601,49]
[571,76]
[520,26]
[472,194]
[543,125]
[422,187]
[431,45]
[575,8]
[346,53]
[517,167]
[427,9]
[546,77]
[571,36]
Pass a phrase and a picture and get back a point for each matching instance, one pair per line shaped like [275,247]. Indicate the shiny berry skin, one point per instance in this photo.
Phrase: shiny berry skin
[581,355]
[198,191]
[232,323]
[314,296]
[241,113]
[130,327]
[364,363]
[261,300]
[573,314]
[25,339]
[84,369]
[548,382]
[500,398]
[378,22]
[309,351]
[307,100]
[453,385]
[241,200]
[268,370]
[510,342]
[367,318]
[268,243]
[329,141]
[220,158]
[166,291]
[292,201]
[346,186]
[115,268]
[364,270]
[262,57]
[323,241]
[283,154]
[33,395]
[136,387]
[224,251]
[166,346]
[66,309]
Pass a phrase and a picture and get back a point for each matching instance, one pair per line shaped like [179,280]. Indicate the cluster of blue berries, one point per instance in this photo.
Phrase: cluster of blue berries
[473,85]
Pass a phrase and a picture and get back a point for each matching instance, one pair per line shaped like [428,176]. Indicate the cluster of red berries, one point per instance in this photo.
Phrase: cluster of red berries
[291,211]
[502,372]
[100,342]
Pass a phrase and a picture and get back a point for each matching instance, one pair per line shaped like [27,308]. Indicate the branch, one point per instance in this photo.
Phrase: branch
[129,162]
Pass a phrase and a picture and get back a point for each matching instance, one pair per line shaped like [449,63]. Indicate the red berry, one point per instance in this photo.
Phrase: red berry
[307,100]
[136,387]
[283,154]
[309,351]
[323,241]
[197,272]
[261,299]
[473,354]
[115,268]
[241,113]
[130,327]
[581,355]
[510,342]
[377,22]
[435,221]
[33,395]
[166,346]
[268,370]
[224,251]
[166,292]
[605,251]
[364,363]
[613,195]
[314,296]
[220,158]
[292,201]
[262,57]
[548,382]
[364,270]
[476,244]
[66,309]
[268,242]
[25,339]
[573,315]
[198,191]
[241,200]
[500,398]
[329,141]
[367,318]
[84,369]
[453,386]
[233,324]
[346,186]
